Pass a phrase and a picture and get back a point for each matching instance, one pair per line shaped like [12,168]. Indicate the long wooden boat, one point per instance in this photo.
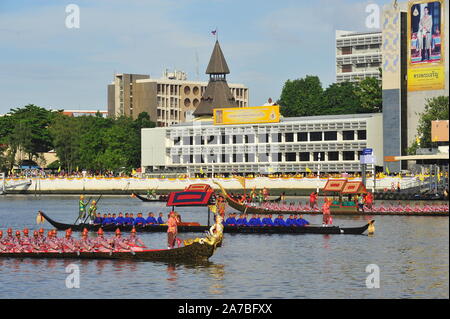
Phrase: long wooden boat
[194,252]
[311,229]
[336,210]
[160,198]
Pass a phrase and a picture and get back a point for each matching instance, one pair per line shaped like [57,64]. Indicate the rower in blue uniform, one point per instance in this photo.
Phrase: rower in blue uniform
[267,221]
[127,219]
[140,220]
[279,221]
[98,219]
[302,222]
[290,221]
[242,221]
[231,220]
[160,219]
[151,220]
[120,220]
[258,220]
[132,218]
[252,221]
[106,219]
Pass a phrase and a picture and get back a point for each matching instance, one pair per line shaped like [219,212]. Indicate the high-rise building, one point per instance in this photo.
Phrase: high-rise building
[415,69]
[168,100]
[358,55]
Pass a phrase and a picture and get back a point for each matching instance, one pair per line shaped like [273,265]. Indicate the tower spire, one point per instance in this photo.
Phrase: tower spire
[217,93]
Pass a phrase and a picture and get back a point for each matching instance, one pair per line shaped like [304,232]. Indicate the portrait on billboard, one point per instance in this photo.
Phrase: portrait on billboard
[425,32]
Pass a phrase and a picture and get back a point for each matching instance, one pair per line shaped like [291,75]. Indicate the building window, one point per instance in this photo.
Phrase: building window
[176,159]
[302,137]
[346,50]
[333,156]
[346,68]
[315,136]
[316,156]
[276,157]
[188,159]
[177,140]
[362,135]
[250,158]
[276,137]
[330,136]
[263,138]
[225,158]
[237,139]
[238,158]
[199,140]
[348,156]
[199,159]
[224,139]
[249,139]
[289,137]
[263,157]
[304,157]
[291,157]
[348,135]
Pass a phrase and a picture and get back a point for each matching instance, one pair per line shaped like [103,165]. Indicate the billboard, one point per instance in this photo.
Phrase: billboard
[247,115]
[425,42]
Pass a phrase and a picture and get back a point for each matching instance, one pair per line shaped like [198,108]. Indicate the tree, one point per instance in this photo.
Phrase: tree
[301,97]
[436,108]
[65,132]
[29,133]
[369,94]
[340,98]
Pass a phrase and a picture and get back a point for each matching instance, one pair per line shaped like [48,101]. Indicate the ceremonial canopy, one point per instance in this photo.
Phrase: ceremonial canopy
[334,185]
[354,188]
[193,195]
[344,187]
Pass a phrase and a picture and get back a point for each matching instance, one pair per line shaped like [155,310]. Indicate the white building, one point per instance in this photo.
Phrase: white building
[358,55]
[293,145]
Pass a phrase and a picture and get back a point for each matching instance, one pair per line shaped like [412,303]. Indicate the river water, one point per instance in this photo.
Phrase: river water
[411,254]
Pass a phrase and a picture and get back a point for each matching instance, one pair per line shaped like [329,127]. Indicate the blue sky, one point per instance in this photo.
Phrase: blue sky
[265,43]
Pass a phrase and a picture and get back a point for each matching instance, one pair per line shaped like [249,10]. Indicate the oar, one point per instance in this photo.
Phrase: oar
[79,216]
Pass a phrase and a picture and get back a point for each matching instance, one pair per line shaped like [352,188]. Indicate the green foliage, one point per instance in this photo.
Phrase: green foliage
[87,142]
[306,97]
[301,97]
[369,94]
[340,98]
[435,109]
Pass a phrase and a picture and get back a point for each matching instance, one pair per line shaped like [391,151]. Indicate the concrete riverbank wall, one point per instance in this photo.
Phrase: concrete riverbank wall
[122,185]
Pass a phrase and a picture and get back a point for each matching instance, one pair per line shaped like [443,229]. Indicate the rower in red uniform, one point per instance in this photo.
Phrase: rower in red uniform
[68,243]
[51,243]
[85,244]
[17,244]
[134,242]
[9,237]
[3,248]
[26,241]
[35,242]
[119,243]
[101,244]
